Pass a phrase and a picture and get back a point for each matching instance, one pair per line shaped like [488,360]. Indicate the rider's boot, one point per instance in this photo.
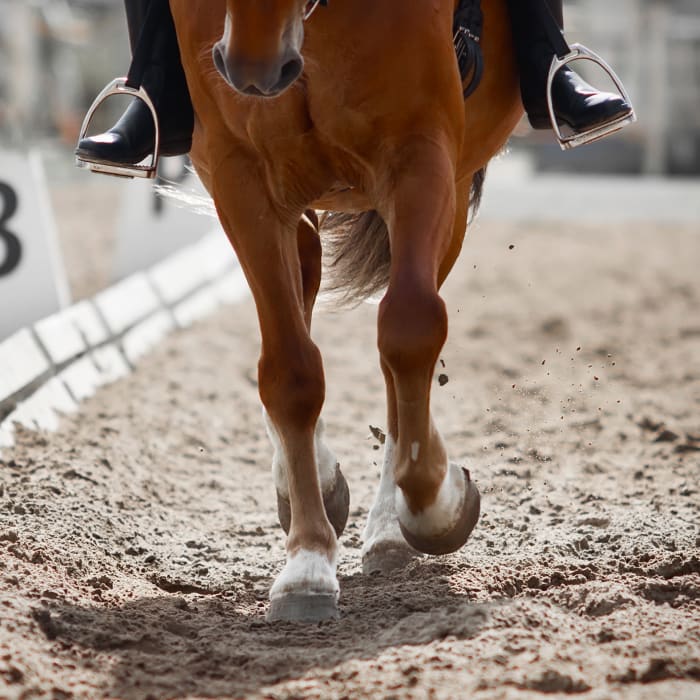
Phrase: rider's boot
[132,138]
[575,103]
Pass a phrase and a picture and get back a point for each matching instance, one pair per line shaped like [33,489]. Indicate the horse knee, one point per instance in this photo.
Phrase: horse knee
[412,329]
[292,386]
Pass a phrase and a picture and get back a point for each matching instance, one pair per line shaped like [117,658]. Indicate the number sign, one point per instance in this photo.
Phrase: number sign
[13,248]
[32,278]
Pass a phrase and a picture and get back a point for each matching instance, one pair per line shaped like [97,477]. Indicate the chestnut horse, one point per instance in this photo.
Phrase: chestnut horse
[355,108]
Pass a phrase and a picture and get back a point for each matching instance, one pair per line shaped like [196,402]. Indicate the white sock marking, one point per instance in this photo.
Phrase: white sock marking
[307,573]
[442,515]
[382,522]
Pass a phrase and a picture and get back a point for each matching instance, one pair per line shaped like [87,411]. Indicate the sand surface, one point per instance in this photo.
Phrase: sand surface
[138,544]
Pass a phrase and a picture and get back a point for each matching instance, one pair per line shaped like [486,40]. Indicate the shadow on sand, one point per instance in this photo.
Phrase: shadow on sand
[215,646]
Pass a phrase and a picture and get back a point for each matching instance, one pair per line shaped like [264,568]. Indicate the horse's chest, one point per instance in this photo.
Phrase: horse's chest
[294,148]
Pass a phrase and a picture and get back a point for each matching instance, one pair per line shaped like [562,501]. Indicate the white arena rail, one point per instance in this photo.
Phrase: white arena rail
[49,367]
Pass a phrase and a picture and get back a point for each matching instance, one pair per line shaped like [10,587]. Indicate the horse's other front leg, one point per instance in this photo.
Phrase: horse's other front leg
[437,504]
[291,385]
[336,495]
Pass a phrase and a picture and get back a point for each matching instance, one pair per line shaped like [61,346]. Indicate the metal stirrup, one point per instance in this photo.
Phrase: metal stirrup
[578,51]
[120,87]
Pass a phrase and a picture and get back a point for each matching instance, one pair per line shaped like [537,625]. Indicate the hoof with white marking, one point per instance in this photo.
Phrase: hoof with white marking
[306,591]
[444,526]
[336,501]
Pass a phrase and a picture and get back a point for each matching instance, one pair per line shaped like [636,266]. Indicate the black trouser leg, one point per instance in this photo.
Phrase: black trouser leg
[132,138]
[164,78]
[556,7]
[532,48]
[136,11]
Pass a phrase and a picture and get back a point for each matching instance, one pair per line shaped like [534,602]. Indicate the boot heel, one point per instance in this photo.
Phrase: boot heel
[541,122]
[175,148]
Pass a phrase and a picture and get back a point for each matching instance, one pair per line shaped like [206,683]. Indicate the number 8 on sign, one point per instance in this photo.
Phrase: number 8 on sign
[13,248]
[32,277]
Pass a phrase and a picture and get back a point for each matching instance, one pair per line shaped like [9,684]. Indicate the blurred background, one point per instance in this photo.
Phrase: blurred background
[654,46]
[56,55]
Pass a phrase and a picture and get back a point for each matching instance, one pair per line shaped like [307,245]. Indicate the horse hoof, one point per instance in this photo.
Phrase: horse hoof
[297,607]
[336,502]
[458,534]
[385,558]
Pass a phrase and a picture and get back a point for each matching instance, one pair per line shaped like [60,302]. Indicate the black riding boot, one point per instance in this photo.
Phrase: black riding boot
[132,138]
[576,103]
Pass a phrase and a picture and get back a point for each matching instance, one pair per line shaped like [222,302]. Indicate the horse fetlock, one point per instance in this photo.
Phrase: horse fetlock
[418,486]
[382,525]
[440,515]
[314,533]
[307,589]
[307,571]
[445,525]
[384,547]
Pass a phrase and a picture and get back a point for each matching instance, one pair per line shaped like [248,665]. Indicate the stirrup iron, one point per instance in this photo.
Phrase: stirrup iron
[147,170]
[578,51]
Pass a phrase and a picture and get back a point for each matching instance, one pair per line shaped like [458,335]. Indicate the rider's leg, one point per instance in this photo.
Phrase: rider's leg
[575,102]
[132,138]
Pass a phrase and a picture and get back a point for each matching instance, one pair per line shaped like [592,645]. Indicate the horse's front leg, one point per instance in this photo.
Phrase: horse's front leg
[384,546]
[336,495]
[291,385]
[436,503]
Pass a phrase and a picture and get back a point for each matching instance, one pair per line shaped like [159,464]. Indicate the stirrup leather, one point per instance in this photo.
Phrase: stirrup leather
[578,51]
[147,170]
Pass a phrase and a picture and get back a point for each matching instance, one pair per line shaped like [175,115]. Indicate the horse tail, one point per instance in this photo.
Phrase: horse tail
[357,255]
[476,191]
[357,251]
